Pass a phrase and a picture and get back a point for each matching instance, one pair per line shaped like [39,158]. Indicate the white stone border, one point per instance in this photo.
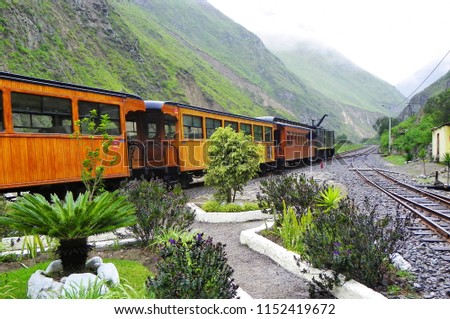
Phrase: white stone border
[350,290]
[238,217]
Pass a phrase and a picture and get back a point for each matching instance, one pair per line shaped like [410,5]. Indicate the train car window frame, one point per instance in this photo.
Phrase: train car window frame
[245,128]
[211,126]
[131,127]
[34,113]
[192,127]
[2,125]
[258,133]
[84,108]
[268,132]
[152,129]
[170,127]
[233,125]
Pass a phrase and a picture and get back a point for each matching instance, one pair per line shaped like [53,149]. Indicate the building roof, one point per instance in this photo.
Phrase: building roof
[438,127]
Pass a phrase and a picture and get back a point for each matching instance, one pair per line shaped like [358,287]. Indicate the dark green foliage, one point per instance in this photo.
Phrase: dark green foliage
[409,136]
[381,125]
[355,244]
[296,190]
[5,231]
[157,208]
[196,269]
[439,108]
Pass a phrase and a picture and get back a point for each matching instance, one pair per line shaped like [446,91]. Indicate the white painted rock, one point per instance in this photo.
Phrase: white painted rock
[79,284]
[94,263]
[54,267]
[108,272]
[43,287]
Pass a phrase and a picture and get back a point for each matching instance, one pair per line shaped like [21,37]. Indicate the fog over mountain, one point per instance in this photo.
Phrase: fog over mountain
[411,84]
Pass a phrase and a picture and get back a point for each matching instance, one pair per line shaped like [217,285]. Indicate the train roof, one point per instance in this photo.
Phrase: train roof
[280,120]
[157,105]
[63,85]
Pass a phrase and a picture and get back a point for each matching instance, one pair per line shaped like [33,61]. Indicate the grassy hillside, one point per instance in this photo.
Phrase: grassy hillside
[180,50]
[338,78]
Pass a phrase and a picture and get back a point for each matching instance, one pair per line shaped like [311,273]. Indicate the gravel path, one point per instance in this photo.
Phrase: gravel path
[256,274]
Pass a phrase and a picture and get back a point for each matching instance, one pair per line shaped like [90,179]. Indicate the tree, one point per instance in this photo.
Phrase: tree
[233,160]
[382,124]
[422,155]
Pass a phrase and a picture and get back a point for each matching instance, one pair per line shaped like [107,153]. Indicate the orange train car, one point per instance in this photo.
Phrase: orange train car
[170,139]
[37,122]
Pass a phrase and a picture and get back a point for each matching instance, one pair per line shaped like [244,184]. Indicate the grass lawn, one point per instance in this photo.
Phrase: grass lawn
[13,284]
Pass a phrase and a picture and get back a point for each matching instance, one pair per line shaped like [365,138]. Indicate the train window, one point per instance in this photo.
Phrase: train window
[211,126]
[246,128]
[131,129]
[258,132]
[192,127]
[268,134]
[170,128]
[85,108]
[233,125]
[2,126]
[152,130]
[41,114]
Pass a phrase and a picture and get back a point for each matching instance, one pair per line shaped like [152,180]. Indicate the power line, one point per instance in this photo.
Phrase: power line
[442,60]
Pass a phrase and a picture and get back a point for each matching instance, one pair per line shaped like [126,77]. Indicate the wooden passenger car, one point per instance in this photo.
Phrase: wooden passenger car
[293,140]
[37,122]
[170,139]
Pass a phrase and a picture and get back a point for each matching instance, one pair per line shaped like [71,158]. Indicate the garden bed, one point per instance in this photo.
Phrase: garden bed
[349,290]
[221,217]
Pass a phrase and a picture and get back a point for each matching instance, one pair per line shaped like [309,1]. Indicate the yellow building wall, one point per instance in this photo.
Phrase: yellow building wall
[440,142]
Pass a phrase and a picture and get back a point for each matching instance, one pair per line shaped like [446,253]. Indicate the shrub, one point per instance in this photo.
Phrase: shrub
[233,160]
[295,190]
[355,244]
[196,269]
[157,208]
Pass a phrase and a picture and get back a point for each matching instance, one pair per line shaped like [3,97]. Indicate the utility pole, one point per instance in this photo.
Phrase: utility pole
[389,147]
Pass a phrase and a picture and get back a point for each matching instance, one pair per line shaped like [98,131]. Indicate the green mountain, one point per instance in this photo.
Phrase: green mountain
[179,50]
[338,78]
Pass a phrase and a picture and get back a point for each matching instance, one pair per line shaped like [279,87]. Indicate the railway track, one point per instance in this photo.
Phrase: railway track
[431,212]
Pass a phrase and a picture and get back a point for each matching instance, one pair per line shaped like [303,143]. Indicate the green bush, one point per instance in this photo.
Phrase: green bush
[355,244]
[196,269]
[157,208]
[295,190]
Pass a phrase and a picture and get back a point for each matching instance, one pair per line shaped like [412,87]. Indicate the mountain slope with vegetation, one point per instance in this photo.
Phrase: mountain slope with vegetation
[179,50]
[340,79]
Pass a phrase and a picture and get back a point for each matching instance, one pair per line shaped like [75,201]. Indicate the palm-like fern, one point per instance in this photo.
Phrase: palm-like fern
[71,221]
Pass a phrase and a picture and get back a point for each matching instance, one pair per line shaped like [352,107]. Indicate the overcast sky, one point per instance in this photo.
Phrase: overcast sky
[392,39]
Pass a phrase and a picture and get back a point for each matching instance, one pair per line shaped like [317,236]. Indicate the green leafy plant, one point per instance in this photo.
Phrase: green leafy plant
[92,166]
[157,208]
[71,221]
[329,198]
[33,245]
[355,244]
[233,160]
[446,161]
[166,235]
[295,190]
[196,269]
